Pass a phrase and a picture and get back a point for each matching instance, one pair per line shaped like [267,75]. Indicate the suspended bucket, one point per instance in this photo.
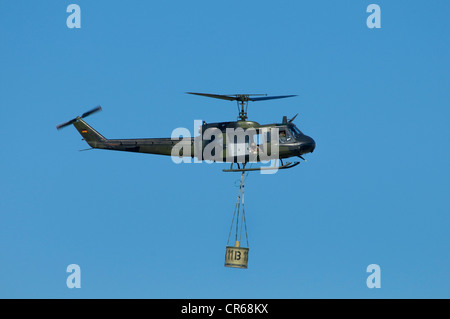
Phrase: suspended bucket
[236,256]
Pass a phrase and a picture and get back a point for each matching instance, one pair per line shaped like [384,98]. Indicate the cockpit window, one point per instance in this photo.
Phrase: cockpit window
[285,137]
[295,131]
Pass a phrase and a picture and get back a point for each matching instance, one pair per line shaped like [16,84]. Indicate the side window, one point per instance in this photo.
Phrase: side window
[285,137]
[267,137]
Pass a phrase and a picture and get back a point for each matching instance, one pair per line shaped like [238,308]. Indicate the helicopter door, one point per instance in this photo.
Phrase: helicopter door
[263,142]
[239,149]
[258,139]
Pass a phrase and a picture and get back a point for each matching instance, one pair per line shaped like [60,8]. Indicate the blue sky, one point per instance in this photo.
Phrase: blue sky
[375,191]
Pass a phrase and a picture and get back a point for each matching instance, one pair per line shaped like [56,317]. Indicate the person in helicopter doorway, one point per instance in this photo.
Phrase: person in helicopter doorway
[283,137]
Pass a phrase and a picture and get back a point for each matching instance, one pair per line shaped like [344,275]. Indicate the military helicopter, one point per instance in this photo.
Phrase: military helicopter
[237,142]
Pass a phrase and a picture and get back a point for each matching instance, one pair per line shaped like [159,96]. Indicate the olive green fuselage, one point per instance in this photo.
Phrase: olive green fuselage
[213,142]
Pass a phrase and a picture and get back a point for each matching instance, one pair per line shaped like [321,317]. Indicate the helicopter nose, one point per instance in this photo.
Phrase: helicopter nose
[308,145]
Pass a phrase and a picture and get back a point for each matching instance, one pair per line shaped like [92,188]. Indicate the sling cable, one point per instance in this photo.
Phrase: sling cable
[237,256]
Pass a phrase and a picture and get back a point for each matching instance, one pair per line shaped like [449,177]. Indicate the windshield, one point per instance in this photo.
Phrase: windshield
[295,131]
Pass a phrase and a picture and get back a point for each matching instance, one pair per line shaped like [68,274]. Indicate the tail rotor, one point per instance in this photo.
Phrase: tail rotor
[85,114]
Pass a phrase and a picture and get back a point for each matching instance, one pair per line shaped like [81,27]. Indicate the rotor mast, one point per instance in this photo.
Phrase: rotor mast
[242,104]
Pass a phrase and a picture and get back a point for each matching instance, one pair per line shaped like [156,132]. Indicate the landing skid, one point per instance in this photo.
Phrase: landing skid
[243,169]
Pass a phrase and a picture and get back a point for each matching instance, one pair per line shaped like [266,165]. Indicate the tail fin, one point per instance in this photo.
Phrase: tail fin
[91,136]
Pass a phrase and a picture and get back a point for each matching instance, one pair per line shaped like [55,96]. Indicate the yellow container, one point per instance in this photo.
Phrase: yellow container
[236,256]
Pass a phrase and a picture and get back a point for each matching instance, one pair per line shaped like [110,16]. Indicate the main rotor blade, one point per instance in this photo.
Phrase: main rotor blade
[269,97]
[216,96]
[94,110]
[242,97]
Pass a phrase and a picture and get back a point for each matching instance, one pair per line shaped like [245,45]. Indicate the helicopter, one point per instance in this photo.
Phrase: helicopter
[237,142]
